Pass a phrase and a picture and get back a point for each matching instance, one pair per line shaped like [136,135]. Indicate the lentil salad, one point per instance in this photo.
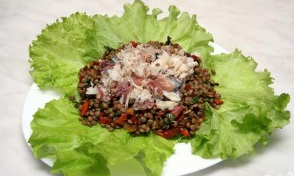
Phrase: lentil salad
[251,110]
[153,86]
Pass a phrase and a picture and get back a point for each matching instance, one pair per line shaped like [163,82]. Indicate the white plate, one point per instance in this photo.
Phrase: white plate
[180,163]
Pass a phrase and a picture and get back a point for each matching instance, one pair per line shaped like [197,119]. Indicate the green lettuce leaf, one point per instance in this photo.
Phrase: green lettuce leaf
[79,162]
[58,134]
[57,125]
[251,110]
[57,54]
[143,27]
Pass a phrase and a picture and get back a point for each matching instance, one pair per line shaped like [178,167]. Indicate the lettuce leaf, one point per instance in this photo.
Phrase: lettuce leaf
[57,54]
[58,134]
[144,27]
[251,110]
[80,162]
[250,113]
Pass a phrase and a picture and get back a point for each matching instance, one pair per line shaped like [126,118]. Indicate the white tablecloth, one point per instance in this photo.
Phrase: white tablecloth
[261,29]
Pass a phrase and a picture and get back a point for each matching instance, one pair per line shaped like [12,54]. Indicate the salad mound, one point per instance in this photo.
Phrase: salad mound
[147,87]
[250,113]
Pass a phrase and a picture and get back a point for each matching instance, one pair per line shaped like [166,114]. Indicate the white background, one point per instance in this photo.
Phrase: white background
[261,29]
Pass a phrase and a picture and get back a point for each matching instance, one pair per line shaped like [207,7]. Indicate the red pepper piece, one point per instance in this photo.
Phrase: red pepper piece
[105,120]
[134,44]
[102,114]
[187,87]
[135,120]
[169,133]
[177,111]
[121,119]
[185,132]
[85,107]
[218,101]
[130,111]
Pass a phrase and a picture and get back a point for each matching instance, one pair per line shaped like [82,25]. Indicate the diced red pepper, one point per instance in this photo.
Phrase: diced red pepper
[185,132]
[177,110]
[130,111]
[135,120]
[187,87]
[218,101]
[169,133]
[122,118]
[105,120]
[161,113]
[134,44]
[102,114]
[85,107]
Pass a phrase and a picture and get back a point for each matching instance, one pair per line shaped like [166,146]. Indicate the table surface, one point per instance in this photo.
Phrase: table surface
[261,29]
